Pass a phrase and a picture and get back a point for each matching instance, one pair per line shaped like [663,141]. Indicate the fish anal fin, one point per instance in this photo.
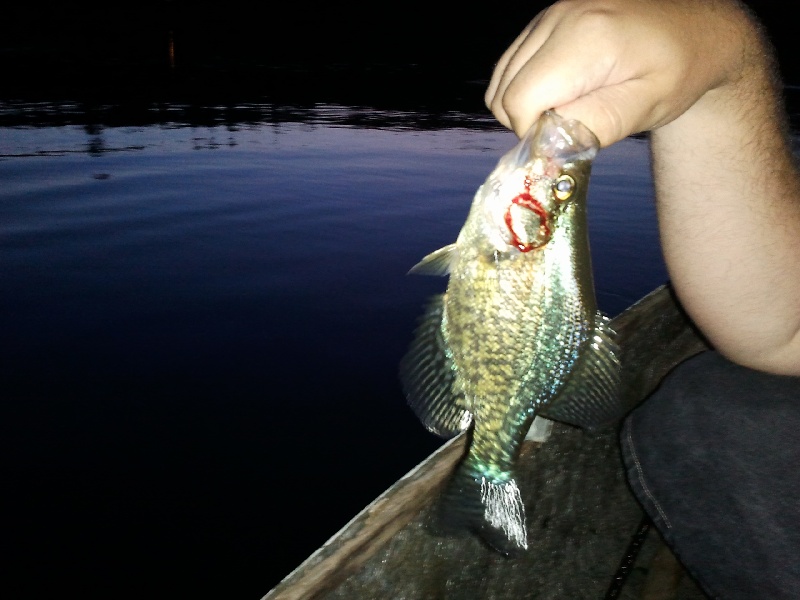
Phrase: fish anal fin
[428,376]
[590,397]
[438,262]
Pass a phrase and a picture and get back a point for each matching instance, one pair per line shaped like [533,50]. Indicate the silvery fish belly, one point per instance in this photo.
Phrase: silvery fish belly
[517,333]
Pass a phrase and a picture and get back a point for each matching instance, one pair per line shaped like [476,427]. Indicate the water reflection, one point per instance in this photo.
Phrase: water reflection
[56,129]
[56,114]
[96,145]
[220,123]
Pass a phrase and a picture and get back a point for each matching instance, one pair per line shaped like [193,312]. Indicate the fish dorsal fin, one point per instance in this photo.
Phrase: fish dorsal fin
[590,397]
[427,373]
[438,262]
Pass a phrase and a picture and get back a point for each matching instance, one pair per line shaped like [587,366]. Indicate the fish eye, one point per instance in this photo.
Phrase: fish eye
[563,187]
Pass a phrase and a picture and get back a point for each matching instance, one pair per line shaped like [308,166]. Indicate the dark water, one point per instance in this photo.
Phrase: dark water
[201,325]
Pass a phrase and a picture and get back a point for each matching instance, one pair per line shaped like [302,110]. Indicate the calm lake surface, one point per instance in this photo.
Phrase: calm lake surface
[201,327]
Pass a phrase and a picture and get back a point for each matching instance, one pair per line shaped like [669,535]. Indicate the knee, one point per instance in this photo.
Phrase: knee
[709,406]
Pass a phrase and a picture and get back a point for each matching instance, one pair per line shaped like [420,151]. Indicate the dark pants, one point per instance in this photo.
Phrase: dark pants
[714,457]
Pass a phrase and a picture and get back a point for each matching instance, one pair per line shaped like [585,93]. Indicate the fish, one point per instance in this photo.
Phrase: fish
[517,333]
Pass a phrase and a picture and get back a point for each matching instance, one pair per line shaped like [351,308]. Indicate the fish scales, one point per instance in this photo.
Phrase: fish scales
[517,332]
[510,344]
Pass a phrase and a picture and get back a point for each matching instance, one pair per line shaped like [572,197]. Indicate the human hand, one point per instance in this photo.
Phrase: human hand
[700,75]
[619,66]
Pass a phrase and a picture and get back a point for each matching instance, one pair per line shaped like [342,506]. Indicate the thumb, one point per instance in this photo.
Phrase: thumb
[614,112]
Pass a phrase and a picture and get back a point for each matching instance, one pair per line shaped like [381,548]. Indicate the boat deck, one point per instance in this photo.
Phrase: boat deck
[581,514]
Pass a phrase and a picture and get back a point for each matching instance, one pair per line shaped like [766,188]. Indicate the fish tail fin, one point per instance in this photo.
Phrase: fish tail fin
[493,509]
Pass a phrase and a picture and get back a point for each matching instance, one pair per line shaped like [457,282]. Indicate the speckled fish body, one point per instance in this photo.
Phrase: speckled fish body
[517,332]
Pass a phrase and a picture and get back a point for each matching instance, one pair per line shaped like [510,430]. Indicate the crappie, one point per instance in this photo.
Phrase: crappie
[517,333]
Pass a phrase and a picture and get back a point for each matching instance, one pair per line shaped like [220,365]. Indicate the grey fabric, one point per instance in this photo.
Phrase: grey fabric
[714,457]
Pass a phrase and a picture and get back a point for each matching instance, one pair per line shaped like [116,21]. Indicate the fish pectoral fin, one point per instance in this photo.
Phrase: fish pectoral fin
[438,262]
[428,376]
[590,398]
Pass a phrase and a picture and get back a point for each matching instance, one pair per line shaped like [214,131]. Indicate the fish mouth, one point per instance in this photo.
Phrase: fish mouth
[527,201]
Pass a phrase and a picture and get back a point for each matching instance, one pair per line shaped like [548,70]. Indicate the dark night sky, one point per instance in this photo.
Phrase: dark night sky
[451,38]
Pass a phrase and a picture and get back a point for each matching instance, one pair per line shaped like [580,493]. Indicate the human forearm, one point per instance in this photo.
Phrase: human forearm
[729,215]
